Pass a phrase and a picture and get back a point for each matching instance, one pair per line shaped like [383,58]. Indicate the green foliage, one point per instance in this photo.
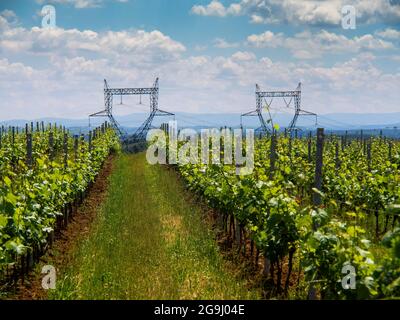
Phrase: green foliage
[333,245]
[388,274]
[31,198]
[279,215]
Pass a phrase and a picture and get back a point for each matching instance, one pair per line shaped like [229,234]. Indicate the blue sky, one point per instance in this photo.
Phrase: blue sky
[208,54]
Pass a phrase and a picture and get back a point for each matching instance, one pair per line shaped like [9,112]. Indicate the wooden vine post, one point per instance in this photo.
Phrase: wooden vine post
[51,146]
[364,147]
[13,136]
[342,142]
[272,156]
[90,140]
[337,160]
[76,146]
[82,142]
[29,160]
[272,160]
[65,150]
[318,166]
[369,155]
[317,201]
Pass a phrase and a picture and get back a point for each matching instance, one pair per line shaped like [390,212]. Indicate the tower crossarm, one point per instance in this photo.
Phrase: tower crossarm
[130,91]
[294,95]
[277,94]
[109,93]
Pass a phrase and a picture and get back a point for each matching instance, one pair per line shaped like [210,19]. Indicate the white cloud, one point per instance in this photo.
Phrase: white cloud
[72,86]
[244,56]
[223,44]
[199,47]
[8,14]
[217,9]
[389,34]
[266,39]
[8,17]
[309,12]
[214,8]
[59,72]
[139,44]
[15,71]
[395,58]
[308,45]
[142,41]
[79,4]
[3,23]
[356,85]
[255,18]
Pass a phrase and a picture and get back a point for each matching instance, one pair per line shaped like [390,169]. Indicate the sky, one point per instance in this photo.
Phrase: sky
[208,55]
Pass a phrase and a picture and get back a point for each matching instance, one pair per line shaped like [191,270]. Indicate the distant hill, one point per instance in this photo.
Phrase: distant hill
[333,121]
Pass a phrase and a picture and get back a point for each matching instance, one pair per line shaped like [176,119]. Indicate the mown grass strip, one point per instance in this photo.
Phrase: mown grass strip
[149,243]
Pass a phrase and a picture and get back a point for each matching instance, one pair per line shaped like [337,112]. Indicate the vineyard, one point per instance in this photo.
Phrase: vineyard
[45,174]
[349,220]
[314,209]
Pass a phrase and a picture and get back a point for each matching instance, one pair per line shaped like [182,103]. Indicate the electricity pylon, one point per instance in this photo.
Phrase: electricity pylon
[261,96]
[141,132]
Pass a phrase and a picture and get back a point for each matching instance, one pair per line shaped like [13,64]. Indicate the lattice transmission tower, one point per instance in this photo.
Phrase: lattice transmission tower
[141,132]
[266,126]
[107,112]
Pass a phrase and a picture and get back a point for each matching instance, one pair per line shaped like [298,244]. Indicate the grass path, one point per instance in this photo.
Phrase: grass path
[148,242]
